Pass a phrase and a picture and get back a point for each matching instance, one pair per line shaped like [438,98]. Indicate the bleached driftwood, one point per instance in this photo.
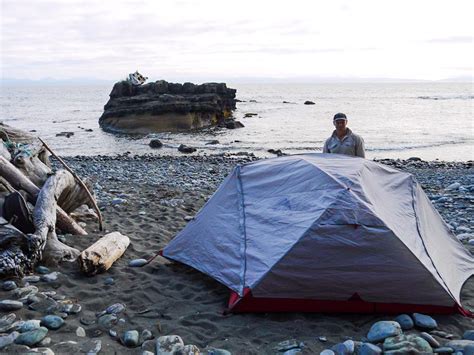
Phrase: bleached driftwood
[21,182]
[44,219]
[100,256]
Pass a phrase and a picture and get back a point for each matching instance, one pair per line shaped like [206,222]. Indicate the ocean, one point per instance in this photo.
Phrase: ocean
[397,120]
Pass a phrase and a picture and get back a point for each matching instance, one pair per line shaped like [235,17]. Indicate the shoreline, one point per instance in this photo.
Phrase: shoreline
[149,198]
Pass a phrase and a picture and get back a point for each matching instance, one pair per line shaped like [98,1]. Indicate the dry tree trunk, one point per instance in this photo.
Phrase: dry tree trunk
[100,256]
[21,182]
[44,219]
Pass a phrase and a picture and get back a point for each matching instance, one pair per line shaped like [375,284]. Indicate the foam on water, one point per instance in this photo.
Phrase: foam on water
[429,120]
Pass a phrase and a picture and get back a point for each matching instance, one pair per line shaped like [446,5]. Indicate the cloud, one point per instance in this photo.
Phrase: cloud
[452,40]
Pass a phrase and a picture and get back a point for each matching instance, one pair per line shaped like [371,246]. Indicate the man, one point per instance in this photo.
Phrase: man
[343,141]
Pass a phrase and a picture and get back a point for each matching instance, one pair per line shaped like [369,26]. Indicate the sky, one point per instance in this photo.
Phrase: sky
[217,39]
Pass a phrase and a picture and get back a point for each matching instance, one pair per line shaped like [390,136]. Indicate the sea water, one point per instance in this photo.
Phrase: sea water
[396,120]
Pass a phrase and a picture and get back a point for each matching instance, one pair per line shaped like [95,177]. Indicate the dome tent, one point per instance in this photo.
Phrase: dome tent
[325,232]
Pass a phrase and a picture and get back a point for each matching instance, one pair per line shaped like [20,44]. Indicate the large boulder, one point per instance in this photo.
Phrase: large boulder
[161,106]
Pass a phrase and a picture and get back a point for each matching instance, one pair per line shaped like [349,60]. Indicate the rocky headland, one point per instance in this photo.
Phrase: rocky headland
[162,106]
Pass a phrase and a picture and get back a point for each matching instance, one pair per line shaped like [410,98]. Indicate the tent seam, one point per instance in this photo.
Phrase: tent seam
[243,228]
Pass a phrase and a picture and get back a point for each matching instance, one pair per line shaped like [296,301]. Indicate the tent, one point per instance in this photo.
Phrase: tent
[325,233]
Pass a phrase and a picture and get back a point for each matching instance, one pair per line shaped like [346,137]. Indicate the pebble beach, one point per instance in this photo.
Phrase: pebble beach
[136,309]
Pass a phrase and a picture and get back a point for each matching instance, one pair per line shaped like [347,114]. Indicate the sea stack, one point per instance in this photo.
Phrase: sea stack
[161,106]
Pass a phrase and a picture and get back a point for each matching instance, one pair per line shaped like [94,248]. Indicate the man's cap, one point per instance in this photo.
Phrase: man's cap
[339,116]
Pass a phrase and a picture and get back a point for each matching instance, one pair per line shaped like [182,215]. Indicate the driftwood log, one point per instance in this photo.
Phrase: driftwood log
[100,256]
[21,182]
[44,219]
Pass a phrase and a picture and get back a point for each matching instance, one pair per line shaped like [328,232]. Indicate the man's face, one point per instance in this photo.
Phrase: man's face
[340,125]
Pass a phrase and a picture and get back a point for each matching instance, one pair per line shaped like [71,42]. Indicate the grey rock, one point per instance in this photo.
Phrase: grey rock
[327,352]
[24,292]
[322,339]
[155,143]
[453,186]
[109,281]
[429,338]
[113,333]
[459,345]
[146,335]
[369,349]
[51,277]
[406,344]
[41,350]
[137,262]
[424,321]
[116,308]
[32,337]
[52,322]
[468,335]
[345,348]
[6,322]
[218,352]
[309,102]
[80,332]
[45,342]
[295,351]
[29,325]
[165,344]
[186,149]
[130,338]
[71,308]
[405,321]
[383,329]
[444,350]
[66,347]
[9,339]
[118,201]
[287,345]
[42,270]
[9,285]
[92,347]
[149,345]
[146,352]
[10,305]
[31,279]
[107,321]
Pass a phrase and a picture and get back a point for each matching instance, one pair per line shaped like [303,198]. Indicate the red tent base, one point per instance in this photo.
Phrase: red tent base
[355,304]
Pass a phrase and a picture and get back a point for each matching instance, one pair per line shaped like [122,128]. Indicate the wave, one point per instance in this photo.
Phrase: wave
[428,145]
[447,97]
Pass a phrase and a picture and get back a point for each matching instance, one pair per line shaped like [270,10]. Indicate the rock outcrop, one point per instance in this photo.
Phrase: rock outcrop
[161,106]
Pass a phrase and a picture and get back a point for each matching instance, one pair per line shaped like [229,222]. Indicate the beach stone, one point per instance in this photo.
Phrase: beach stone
[146,352]
[146,335]
[383,329]
[118,201]
[51,277]
[345,348]
[24,292]
[369,349]
[186,149]
[45,342]
[322,339]
[9,285]
[116,308]
[42,270]
[66,347]
[444,350]
[307,102]
[453,186]
[80,332]
[10,305]
[52,322]
[71,308]
[424,321]
[130,338]
[429,338]
[149,345]
[32,337]
[406,344]
[218,352]
[107,321]
[459,345]
[137,262]
[92,347]
[31,279]
[405,321]
[155,143]
[327,352]
[166,344]
[8,339]
[42,351]
[468,335]
[109,281]
[212,142]
[6,322]
[287,345]
[29,325]
[188,218]
[113,333]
